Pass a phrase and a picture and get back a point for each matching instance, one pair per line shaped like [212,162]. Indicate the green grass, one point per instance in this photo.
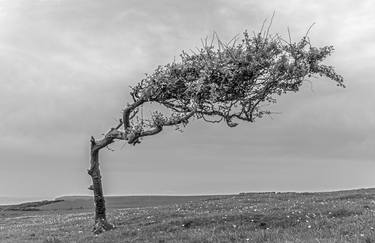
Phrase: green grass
[346,216]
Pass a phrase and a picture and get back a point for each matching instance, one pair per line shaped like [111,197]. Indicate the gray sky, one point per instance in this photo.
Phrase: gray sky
[65,68]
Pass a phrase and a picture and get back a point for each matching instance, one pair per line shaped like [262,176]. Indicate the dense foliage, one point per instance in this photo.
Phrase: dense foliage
[229,81]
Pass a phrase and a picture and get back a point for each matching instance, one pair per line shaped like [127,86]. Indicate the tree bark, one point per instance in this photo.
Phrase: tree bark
[101,223]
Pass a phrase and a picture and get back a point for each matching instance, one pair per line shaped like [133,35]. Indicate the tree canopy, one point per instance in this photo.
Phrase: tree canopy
[222,82]
[225,82]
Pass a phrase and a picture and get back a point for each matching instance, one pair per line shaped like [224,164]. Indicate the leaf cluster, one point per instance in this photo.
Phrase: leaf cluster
[234,80]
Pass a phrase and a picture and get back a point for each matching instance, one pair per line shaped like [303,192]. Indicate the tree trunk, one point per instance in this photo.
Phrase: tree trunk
[101,223]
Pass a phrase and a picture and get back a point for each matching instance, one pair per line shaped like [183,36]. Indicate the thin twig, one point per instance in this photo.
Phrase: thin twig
[290,38]
[261,29]
[269,26]
[308,31]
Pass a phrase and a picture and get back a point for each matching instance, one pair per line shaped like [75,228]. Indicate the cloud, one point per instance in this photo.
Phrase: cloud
[65,68]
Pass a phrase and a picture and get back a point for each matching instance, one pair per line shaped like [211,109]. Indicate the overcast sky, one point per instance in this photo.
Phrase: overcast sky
[65,71]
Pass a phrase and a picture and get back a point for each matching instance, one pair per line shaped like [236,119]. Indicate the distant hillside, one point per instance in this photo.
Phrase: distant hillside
[112,202]
[4,200]
[86,202]
[29,206]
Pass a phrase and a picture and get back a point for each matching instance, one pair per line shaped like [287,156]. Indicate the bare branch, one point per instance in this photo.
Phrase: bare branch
[128,110]
[290,38]
[135,112]
[134,138]
[308,31]
[179,120]
[269,26]
[264,22]
[119,125]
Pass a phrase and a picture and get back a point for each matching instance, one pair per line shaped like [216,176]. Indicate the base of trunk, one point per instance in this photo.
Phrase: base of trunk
[101,225]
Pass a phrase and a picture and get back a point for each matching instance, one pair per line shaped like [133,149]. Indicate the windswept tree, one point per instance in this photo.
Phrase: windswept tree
[220,82]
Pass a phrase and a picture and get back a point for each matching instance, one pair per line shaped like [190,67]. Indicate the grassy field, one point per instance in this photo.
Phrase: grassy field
[345,216]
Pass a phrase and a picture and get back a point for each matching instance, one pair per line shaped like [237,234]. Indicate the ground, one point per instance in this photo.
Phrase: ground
[345,216]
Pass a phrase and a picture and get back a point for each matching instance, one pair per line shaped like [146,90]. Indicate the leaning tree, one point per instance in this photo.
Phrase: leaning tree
[219,82]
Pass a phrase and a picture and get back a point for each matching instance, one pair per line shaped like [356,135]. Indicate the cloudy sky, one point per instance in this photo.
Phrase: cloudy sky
[65,71]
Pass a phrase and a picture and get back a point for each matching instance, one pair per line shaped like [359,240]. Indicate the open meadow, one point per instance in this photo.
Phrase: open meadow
[344,216]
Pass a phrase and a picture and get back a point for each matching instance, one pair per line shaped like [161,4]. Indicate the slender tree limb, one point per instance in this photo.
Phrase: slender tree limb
[128,110]
[182,119]
[134,138]
[157,127]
